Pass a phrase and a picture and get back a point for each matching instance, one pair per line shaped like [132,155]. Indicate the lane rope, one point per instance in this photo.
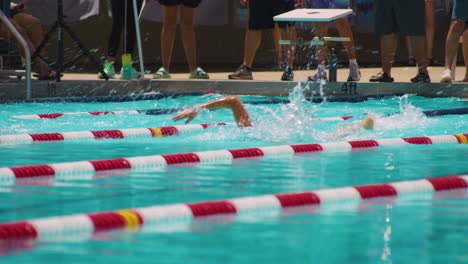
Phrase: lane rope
[164,111]
[107,134]
[112,98]
[139,97]
[85,225]
[146,163]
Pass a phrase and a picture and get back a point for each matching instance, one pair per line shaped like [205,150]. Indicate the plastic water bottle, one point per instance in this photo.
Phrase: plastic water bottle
[126,66]
[332,68]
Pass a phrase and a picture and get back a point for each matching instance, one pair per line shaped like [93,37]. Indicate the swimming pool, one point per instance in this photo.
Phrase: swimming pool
[422,228]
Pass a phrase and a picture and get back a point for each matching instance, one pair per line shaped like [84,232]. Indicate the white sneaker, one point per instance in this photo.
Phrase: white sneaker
[354,73]
[446,76]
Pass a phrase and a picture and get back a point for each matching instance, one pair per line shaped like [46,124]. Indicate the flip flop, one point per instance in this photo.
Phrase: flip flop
[199,73]
[161,74]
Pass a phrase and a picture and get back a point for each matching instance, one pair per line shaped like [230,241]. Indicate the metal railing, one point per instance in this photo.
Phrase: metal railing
[27,54]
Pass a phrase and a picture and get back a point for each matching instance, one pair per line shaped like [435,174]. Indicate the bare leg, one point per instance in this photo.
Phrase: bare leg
[409,46]
[33,28]
[252,41]
[289,33]
[188,36]
[451,43]
[321,50]
[420,52]
[345,31]
[388,45]
[278,48]
[168,34]
[429,24]
[465,53]
[38,65]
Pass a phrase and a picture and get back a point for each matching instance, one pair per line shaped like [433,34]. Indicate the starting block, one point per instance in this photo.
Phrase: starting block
[313,15]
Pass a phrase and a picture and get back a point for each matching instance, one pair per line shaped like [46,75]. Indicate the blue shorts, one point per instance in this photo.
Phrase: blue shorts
[326,4]
[460,10]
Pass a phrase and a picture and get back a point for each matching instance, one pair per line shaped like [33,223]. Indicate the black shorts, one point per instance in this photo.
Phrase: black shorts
[261,13]
[187,3]
[403,17]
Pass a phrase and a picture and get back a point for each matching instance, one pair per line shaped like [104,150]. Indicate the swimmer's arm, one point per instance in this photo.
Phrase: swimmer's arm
[231,102]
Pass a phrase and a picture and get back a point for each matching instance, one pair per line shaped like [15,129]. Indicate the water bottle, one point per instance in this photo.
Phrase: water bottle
[332,67]
[126,66]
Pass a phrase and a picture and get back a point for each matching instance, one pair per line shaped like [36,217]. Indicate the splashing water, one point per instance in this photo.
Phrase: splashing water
[409,118]
[291,122]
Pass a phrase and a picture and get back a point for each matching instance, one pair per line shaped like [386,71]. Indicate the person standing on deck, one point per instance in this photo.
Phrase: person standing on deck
[405,18]
[170,9]
[459,16]
[261,13]
[429,10]
[122,15]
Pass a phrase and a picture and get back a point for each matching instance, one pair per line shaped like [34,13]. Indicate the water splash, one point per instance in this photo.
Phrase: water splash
[409,120]
[289,122]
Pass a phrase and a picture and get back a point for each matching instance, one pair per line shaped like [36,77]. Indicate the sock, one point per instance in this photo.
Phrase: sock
[321,67]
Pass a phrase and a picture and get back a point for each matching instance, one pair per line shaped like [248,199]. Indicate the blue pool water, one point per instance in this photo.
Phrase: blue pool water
[419,229]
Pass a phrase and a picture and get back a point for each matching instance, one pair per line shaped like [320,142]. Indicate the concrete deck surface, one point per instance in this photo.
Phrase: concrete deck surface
[400,74]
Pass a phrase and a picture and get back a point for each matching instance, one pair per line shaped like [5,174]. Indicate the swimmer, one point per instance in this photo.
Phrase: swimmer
[242,117]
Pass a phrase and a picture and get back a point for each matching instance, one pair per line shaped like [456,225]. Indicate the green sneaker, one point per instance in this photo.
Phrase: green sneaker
[109,70]
[134,74]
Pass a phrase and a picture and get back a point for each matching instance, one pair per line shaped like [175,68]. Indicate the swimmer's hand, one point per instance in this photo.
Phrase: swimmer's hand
[190,114]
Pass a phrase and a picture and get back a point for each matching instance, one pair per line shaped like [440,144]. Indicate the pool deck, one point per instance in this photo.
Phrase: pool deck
[264,83]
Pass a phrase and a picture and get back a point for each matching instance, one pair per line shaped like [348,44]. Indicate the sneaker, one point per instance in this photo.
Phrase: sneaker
[354,73]
[422,77]
[108,70]
[381,77]
[242,73]
[134,74]
[446,76]
[318,75]
[288,74]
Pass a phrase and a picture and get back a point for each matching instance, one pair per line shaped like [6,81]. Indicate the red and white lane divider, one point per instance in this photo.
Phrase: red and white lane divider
[85,225]
[145,163]
[109,134]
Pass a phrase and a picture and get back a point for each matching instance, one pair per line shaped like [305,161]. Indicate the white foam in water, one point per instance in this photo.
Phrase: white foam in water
[291,122]
[410,118]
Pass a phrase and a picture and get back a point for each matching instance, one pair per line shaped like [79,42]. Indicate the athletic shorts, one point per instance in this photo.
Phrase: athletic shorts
[326,4]
[187,3]
[403,17]
[460,10]
[261,13]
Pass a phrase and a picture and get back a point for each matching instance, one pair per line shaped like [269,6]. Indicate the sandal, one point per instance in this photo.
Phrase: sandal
[161,74]
[199,73]
[381,77]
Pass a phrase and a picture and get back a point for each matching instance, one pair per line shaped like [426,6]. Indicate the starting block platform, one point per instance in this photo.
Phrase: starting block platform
[313,15]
